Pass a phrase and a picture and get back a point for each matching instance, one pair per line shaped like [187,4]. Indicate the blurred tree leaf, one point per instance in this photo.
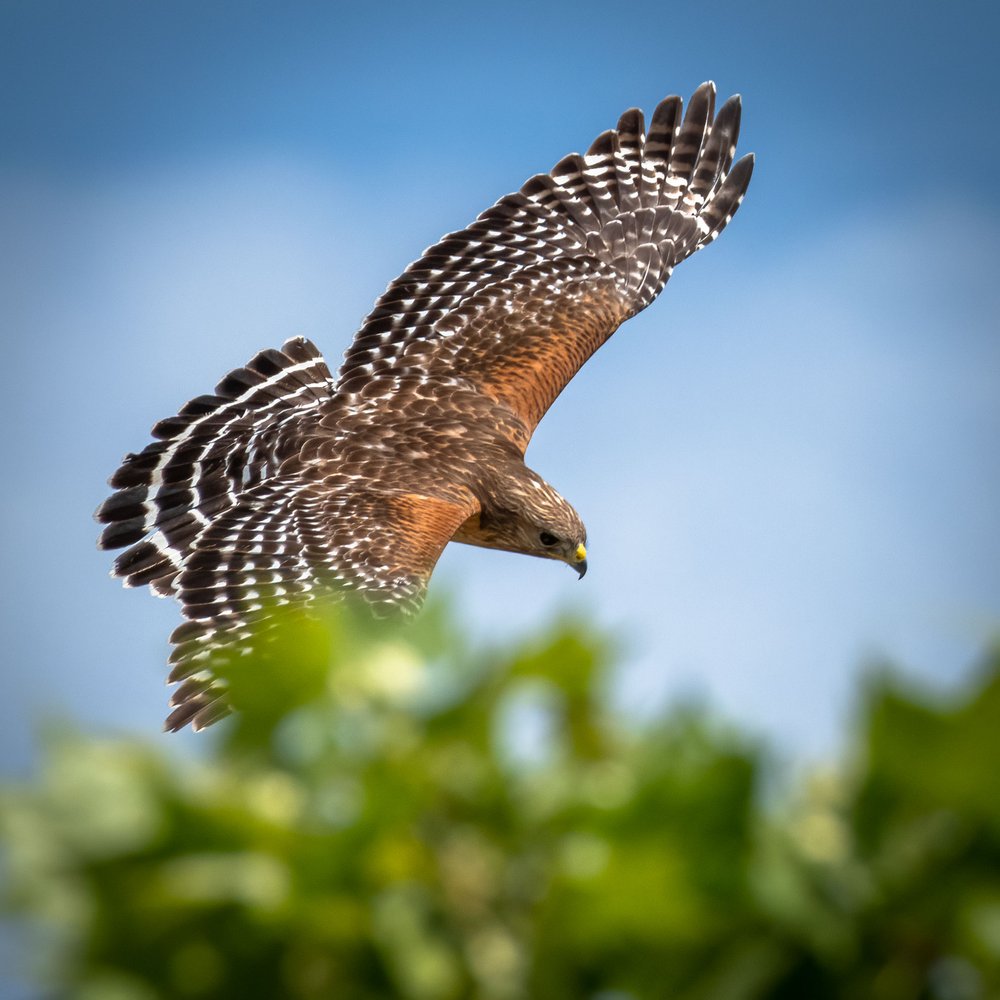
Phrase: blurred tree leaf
[376,822]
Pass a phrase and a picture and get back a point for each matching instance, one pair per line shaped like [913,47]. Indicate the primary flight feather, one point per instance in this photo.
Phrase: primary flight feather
[290,484]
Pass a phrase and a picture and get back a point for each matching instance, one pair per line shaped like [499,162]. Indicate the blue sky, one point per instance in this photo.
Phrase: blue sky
[788,466]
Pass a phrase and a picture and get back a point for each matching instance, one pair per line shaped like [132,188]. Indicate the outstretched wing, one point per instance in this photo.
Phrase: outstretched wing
[224,513]
[518,301]
[289,541]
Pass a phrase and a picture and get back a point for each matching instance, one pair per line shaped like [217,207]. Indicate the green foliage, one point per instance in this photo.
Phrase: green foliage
[374,824]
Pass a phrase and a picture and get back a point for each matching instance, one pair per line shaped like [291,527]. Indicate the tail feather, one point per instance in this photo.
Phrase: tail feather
[205,458]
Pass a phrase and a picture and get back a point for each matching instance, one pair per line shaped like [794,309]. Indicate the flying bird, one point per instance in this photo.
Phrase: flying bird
[290,484]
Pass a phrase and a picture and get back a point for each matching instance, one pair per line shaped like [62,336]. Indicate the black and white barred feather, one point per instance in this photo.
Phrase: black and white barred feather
[637,203]
[216,449]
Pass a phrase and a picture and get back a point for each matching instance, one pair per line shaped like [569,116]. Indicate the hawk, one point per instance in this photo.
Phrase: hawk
[289,483]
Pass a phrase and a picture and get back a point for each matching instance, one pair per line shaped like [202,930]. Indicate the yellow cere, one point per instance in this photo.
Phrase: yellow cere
[580,554]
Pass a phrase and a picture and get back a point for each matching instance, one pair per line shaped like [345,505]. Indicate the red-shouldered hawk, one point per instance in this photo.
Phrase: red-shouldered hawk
[288,483]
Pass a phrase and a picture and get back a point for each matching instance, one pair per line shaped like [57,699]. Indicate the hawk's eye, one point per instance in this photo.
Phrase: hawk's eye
[547,539]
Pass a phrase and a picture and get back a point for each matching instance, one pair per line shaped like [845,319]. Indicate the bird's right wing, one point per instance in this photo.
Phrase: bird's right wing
[519,300]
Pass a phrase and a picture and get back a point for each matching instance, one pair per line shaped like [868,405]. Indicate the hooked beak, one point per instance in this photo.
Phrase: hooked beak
[580,561]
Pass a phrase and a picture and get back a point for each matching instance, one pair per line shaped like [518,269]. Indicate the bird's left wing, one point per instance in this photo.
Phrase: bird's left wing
[519,300]
[288,542]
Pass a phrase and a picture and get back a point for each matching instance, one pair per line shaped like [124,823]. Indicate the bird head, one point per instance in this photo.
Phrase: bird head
[523,513]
